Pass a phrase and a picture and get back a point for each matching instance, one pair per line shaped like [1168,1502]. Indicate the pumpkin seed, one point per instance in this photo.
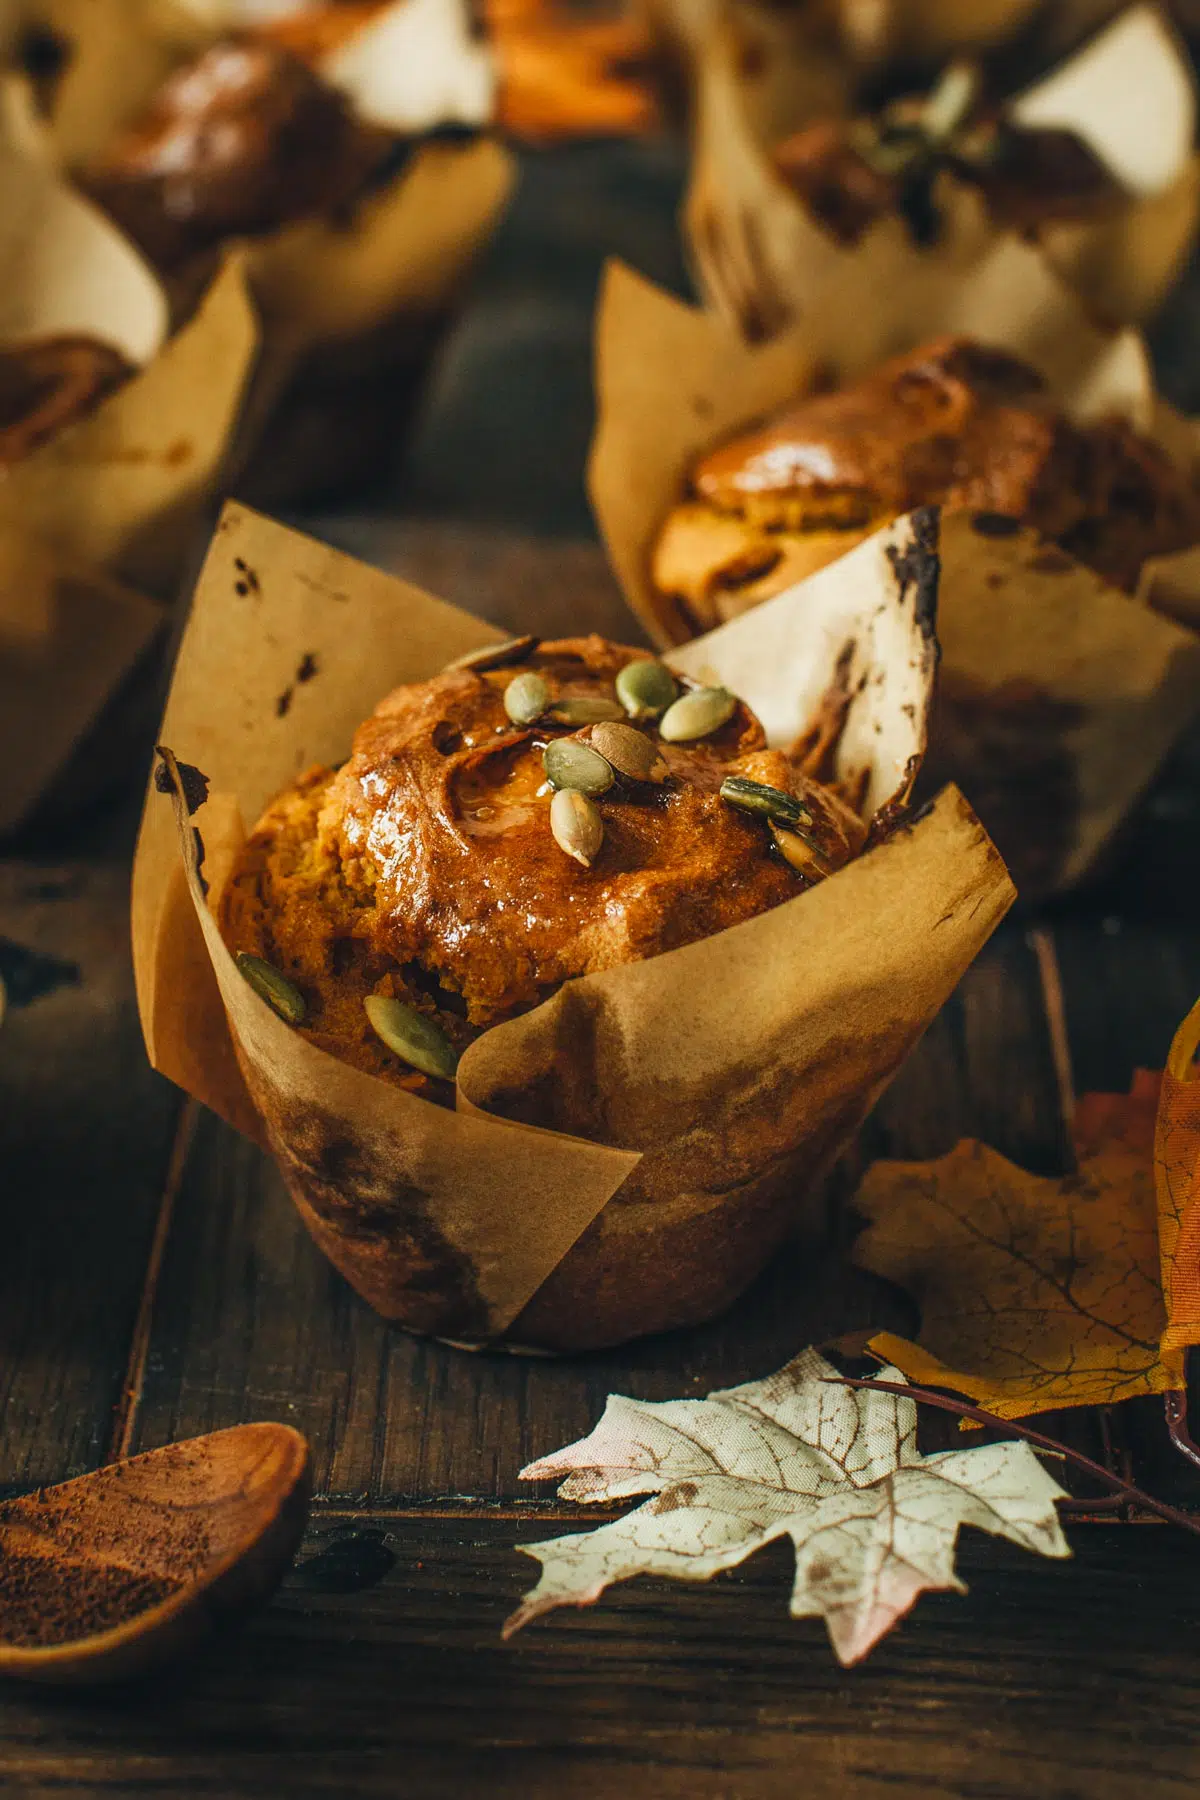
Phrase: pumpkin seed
[585,709]
[799,851]
[948,106]
[770,802]
[645,688]
[577,826]
[495,656]
[526,698]
[273,987]
[415,1039]
[696,714]
[573,765]
[630,752]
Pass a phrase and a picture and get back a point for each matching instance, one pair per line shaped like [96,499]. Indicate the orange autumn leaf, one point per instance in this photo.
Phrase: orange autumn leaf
[1038,1293]
[1034,1293]
[562,78]
[561,73]
[1177,1169]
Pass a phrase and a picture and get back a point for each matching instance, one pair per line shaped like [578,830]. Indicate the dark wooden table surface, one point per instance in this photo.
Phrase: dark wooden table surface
[156,1283]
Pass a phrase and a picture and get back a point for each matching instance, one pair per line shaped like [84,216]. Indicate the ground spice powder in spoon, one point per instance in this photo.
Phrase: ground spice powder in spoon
[64,1559]
[46,1600]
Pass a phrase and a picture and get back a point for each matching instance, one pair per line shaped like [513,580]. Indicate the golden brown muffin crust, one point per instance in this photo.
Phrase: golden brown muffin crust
[425,867]
[953,424]
[242,140]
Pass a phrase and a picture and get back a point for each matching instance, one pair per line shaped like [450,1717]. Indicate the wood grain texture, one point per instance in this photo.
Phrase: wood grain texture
[85,1135]
[1066,1681]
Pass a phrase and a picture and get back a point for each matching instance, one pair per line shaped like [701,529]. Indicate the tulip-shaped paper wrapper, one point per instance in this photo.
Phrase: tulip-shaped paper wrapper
[351,301]
[401,252]
[626,1156]
[763,258]
[96,520]
[1059,695]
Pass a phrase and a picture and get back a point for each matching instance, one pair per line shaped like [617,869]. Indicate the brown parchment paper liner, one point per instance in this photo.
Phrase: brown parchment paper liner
[1059,696]
[625,1157]
[792,64]
[373,283]
[762,260]
[68,636]
[404,250]
[928,30]
[401,252]
[109,504]
[122,489]
[67,269]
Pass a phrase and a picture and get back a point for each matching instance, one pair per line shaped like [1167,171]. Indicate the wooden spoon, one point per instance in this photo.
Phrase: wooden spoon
[137,1562]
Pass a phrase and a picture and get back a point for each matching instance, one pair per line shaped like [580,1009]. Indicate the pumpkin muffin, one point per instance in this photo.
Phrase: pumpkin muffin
[849,173]
[953,423]
[538,813]
[242,140]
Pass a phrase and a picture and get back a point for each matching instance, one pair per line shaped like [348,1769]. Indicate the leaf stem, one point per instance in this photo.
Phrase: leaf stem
[964,1410]
[1175,1407]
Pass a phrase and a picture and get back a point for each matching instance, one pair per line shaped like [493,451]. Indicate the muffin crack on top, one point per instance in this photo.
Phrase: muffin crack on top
[469,858]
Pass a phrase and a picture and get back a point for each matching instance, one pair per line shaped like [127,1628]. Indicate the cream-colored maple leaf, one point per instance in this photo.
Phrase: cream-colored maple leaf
[837,1470]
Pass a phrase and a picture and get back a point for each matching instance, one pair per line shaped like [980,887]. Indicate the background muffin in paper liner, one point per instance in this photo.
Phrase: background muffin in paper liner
[625,1157]
[1052,683]
[763,258]
[353,300]
[97,519]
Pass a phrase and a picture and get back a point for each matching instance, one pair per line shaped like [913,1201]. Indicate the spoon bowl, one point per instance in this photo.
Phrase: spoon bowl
[105,1576]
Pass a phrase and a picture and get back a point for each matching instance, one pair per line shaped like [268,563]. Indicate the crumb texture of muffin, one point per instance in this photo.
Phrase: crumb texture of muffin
[425,868]
[50,383]
[240,141]
[953,424]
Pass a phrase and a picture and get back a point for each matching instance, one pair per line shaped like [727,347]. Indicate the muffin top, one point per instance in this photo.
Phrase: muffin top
[851,172]
[241,140]
[428,867]
[960,425]
[951,421]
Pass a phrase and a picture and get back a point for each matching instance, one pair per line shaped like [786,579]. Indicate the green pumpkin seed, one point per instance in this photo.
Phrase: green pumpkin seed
[571,764]
[697,714]
[495,656]
[577,825]
[631,753]
[585,709]
[769,802]
[892,150]
[646,688]
[273,987]
[799,851]
[526,698]
[414,1038]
